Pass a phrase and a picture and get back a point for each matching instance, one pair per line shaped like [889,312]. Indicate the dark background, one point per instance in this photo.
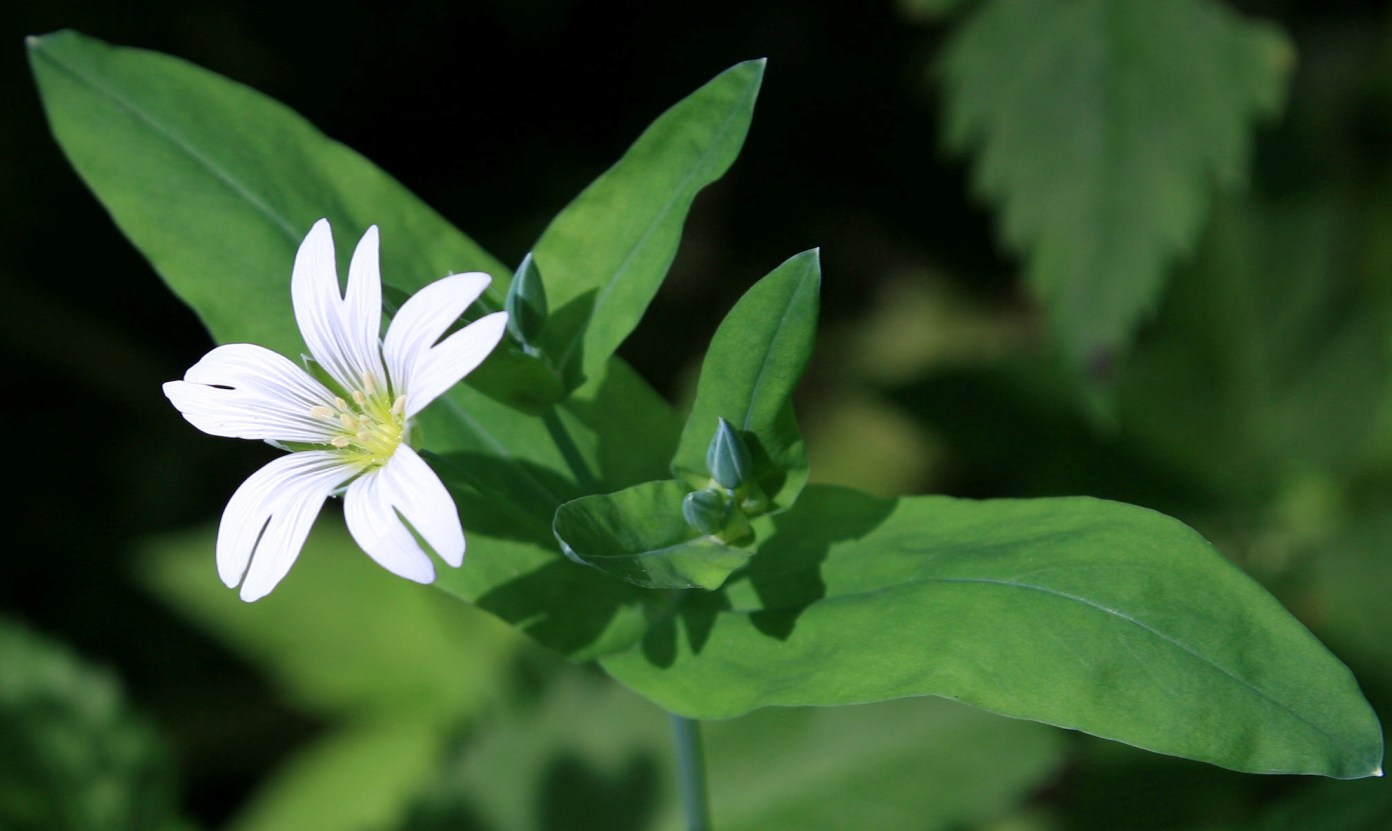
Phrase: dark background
[496,113]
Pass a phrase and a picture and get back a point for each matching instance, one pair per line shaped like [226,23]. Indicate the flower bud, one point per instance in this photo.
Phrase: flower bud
[727,457]
[706,511]
[526,304]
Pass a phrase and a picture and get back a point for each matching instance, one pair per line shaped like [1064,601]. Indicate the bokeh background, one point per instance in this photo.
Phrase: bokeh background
[1253,406]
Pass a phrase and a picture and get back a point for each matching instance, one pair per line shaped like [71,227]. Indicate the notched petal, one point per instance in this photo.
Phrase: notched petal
[268,519]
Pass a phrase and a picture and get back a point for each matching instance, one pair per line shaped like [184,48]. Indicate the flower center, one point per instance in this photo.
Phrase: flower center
[370,428]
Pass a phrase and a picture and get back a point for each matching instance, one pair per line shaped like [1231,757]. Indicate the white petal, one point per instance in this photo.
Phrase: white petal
[339,335]
[423,318]
[405,488]
[268,518]
[363,305]
[456,356]
[245,391]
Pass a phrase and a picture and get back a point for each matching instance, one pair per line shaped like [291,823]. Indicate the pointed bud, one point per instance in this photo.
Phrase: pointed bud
[706,511]
[727,458]
[526,304]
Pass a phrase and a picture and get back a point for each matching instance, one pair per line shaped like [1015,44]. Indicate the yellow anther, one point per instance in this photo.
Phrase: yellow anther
[320,411]
[341,404]
[340,442]
[398,407]
[348,422]
[359,398]
[369,382]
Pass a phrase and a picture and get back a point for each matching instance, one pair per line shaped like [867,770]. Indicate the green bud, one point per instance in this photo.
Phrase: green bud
[727,458]
[526,304]
[706,511]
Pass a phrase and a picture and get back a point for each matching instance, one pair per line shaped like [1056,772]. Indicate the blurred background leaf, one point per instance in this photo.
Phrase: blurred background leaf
[810,768]
[74,755]
[1100,129]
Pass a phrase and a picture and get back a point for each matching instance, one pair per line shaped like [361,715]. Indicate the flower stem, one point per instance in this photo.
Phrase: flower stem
[691,773]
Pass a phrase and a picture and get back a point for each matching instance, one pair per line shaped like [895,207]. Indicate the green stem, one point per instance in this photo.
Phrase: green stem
[691,773]
[587,481]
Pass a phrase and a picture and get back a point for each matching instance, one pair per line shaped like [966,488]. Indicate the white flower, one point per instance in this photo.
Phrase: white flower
[355,435]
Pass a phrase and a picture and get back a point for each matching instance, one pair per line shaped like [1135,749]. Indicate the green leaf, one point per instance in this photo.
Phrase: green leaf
[216,184]
[640,535]
[607,252]
[73,755]
[754,362]
[1100,128]
[1086,614]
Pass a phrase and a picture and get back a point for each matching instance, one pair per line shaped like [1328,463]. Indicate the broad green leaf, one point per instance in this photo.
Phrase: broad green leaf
[1086,614]
[604,256]
[1100,129]
[747,378]
[216,185]
[922,764]
[73,755]
[639,535]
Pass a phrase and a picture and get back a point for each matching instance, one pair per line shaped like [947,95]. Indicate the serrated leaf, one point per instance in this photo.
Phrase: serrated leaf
[640,536]
[755,360]
[604,256]
[1093,615]
[1099,129]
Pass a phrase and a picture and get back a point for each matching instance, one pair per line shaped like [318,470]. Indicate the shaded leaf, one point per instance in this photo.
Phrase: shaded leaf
[640,535]
[73,755]
[1100,128]
[590,754]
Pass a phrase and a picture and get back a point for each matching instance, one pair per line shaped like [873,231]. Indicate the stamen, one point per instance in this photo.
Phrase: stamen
[320,411]
[340,442]
[369,382]
[347,421]
[359,397]
[341,404]
[398,407]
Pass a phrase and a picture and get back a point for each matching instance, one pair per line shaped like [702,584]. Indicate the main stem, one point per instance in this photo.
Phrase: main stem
[691,773]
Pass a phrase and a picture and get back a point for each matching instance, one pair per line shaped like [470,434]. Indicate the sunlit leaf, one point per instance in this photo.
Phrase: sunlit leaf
[604,256]
[748,376]
[1076,612]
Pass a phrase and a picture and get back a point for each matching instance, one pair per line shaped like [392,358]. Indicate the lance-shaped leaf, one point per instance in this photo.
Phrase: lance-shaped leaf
[1100,128]
[1087,614]
[216,185]
[754,362]
[607,252]
[641,536]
